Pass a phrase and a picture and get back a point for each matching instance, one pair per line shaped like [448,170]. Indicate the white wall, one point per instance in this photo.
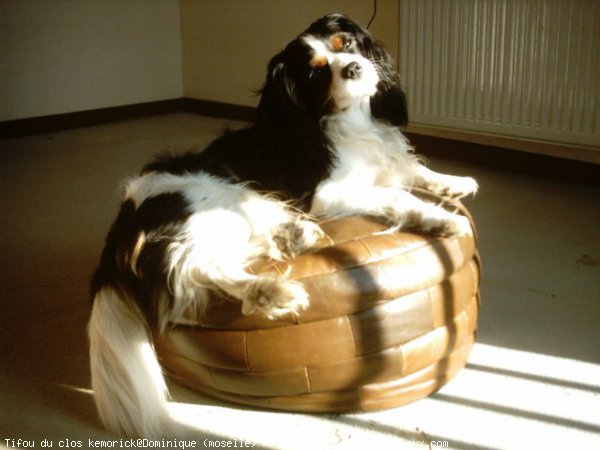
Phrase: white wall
[72,55]
[227,44]
[59,56]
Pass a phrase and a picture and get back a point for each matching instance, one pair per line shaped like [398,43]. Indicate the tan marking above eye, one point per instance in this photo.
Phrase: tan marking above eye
[336,42]
[318,61]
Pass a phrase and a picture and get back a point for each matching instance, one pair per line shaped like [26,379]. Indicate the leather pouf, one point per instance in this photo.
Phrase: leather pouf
[392,318]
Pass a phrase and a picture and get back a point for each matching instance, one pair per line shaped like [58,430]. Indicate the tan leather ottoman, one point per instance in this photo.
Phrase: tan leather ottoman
[392,319]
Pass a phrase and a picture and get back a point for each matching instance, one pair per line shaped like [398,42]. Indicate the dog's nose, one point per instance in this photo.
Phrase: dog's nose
[352,71]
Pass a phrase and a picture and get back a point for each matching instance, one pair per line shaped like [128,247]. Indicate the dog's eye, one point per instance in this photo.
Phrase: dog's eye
[317,72]
[342,42]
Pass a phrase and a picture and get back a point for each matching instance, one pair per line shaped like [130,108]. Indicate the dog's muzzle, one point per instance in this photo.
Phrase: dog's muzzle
[352,71]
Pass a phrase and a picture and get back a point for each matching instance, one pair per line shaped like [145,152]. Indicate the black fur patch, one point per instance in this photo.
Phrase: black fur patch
[286,151]
[137,269]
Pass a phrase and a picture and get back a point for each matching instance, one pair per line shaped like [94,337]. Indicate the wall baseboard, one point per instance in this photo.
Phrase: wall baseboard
[458,149]
[219,109]
[50,124]
[510,160]
[577,152]
[59,122]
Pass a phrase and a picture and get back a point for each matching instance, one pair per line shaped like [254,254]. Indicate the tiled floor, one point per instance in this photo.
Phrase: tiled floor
[533,380]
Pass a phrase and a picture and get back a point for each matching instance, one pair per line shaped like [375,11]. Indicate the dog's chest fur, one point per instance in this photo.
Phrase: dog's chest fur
[368,151]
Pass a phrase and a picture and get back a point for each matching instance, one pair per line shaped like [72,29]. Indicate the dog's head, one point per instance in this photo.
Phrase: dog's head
[330,66]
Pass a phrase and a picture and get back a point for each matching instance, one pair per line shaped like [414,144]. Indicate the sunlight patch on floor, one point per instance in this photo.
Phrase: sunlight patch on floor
[503,399]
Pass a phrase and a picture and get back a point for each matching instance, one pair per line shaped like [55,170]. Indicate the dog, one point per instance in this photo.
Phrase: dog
[326,142]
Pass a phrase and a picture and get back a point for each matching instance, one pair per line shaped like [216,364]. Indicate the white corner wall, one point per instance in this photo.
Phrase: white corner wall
[227,44]
[62,55]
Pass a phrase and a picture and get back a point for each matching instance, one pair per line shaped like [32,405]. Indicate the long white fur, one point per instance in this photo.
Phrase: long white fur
[231,225]
[129,388]
[376,168]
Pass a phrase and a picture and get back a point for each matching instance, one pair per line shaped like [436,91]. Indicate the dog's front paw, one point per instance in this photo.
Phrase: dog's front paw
[455,187]
[293,238]
[462,186]
[465,186]
[454,225]
[274,297]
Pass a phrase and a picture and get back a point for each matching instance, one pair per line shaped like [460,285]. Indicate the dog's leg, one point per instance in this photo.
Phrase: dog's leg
[419,215]
[445,185]
[401,208]
[222,264]
[283,231]
[221,243]
[269,295]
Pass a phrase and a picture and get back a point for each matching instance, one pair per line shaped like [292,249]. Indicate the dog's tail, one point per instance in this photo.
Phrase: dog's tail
[129,387]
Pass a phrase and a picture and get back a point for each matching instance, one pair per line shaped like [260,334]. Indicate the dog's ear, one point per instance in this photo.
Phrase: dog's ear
[390,100]
[390,103]
[291,93]
[278,96]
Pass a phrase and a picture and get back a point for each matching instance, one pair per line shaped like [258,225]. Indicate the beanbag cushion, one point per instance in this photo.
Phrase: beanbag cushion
[392,318]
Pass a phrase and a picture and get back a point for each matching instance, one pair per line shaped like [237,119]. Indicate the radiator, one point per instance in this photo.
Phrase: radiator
[527,72]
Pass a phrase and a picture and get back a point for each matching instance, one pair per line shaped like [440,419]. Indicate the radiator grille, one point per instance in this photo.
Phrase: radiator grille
[521,68]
